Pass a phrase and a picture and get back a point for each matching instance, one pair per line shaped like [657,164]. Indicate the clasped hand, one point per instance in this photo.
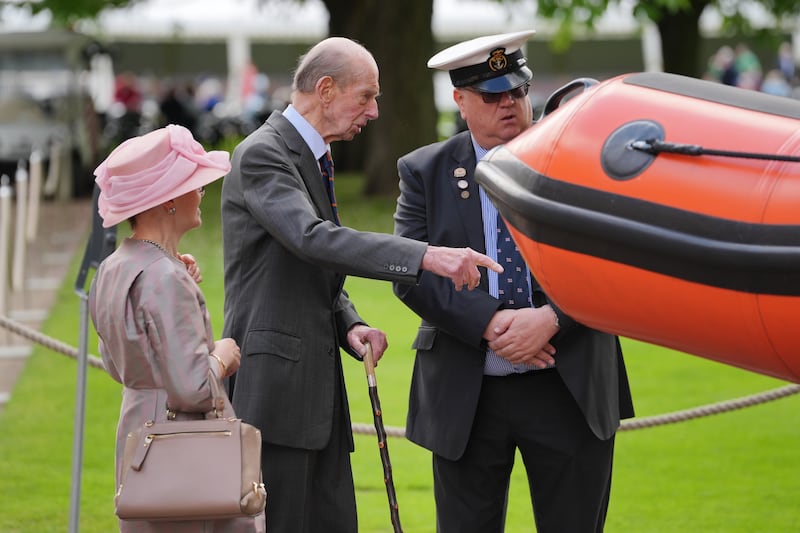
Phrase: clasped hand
[522,336]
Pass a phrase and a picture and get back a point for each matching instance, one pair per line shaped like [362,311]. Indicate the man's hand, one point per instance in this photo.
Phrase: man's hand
[498,325]
[523,335]
[361,333]
[458,264]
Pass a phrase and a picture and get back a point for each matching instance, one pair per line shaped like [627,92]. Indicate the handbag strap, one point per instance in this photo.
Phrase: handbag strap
[220,406]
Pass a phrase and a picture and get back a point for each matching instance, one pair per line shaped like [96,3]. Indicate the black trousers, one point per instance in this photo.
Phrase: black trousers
[568,467]
[311,491]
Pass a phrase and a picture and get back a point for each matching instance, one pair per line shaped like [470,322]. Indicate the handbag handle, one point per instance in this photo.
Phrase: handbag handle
[219,400]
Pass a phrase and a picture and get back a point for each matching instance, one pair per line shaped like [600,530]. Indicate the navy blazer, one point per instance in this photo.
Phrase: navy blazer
[450,350]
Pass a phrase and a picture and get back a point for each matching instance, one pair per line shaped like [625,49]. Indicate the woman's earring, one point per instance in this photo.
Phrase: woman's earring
[171,210]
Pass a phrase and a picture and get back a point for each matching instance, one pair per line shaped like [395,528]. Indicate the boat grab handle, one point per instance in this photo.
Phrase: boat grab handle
[554,100]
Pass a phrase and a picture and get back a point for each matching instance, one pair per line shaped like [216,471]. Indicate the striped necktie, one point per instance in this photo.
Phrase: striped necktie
[326,166]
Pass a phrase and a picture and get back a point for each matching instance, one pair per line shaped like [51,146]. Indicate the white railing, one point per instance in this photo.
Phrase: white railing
[19,203]
[5,240]
[35,175]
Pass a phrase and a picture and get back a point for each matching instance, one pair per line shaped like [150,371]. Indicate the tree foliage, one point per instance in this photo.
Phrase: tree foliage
[401,40]
[677,22]
[66,12]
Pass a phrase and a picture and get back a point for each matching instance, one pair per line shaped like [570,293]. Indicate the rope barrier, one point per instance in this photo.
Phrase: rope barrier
[48,342]
[393,431]
[659,420]
[710,409]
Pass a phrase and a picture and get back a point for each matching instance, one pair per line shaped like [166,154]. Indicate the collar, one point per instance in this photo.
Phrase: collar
[311,136]
[480,151]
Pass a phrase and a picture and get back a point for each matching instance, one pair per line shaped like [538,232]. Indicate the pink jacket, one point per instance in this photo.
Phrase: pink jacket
[155,339]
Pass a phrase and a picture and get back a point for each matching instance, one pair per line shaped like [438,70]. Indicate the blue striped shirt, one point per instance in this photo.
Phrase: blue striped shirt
[495,365]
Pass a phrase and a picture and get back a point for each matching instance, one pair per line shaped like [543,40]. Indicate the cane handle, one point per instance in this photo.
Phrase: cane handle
[369,364]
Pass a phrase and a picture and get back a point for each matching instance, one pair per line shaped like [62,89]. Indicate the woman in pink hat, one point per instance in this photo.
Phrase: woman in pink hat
[149,313]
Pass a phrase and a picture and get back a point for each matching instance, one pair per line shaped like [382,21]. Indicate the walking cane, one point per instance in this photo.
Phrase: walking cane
[369,365]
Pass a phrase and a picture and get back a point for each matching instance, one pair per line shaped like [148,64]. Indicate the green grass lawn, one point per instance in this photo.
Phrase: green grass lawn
[735,472]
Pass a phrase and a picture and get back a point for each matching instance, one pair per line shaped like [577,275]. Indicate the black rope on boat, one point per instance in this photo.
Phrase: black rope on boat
[654,146]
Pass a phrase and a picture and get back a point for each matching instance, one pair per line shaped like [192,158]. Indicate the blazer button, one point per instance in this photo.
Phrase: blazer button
[405,269]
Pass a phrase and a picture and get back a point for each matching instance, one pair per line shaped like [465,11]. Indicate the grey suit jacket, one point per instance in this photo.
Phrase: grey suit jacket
[285,264]
[449,364]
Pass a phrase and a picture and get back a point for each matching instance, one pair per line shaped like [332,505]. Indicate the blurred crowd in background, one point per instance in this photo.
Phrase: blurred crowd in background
[62,97]
[739,66]
[143,103]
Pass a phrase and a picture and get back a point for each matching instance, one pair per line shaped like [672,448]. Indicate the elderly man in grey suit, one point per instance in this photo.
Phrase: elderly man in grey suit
[286,257]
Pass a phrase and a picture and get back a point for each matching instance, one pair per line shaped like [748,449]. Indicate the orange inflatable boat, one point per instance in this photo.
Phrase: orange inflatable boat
[665,209]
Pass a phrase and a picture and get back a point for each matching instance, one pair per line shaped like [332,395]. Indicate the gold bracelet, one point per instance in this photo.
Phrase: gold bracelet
[221,364]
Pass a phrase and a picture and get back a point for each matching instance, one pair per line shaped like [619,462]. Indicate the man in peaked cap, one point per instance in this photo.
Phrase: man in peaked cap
[500,368]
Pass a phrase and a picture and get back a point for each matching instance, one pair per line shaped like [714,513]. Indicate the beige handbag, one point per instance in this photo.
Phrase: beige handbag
[192,469]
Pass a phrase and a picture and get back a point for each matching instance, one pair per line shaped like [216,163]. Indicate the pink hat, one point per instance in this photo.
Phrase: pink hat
[154,168]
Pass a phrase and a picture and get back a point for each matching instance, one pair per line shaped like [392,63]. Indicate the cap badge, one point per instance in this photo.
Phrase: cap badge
[498,61]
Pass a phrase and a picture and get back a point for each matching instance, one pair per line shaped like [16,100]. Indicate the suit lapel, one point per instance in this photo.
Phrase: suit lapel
[461,172]
[303,159]
[311,178]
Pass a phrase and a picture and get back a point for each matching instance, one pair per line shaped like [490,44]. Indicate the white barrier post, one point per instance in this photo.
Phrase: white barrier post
[18,272]
[53,171]
[35,194]
[5,234]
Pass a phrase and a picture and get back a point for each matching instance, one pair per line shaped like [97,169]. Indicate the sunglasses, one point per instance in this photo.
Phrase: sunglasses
[492,98]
